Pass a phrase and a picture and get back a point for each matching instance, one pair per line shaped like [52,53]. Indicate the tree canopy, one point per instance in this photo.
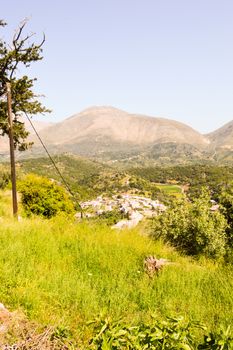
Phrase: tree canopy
[19,52]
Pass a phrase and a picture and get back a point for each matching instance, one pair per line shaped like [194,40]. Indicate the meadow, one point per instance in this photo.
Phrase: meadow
[64,273]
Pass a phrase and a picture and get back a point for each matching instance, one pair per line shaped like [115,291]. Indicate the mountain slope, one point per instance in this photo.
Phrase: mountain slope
[99,123]
[222,137]
[110,134]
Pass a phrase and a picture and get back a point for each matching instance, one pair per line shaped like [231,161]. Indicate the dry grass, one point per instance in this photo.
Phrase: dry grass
[17,333]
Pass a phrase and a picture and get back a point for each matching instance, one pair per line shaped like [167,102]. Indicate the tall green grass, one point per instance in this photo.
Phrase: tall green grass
[64,273]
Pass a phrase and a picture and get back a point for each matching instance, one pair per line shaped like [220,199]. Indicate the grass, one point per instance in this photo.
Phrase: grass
[64,273]
[5,204]
[174,190]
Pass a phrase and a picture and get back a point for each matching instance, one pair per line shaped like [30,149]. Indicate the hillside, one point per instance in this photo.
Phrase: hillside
[107,133]
[114,136]
[89,178]
[222,137]
[64,274]
[101,123]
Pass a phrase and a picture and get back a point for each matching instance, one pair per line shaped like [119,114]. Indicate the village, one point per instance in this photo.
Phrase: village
[135,208]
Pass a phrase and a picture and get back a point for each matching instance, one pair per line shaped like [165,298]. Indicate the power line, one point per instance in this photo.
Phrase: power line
[52,161]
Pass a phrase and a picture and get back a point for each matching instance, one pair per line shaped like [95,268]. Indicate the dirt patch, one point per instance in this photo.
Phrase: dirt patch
[17,333]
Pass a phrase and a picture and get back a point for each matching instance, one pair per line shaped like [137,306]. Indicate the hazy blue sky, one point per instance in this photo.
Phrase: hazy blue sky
[168,58]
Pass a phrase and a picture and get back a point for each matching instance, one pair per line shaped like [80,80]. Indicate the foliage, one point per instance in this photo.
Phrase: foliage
[222,339]
[4,177]
[44,197]
[111,217]
[89,178]
[193,227]
[171,333]
[193,176]
[63,273]
[226,199]
[19,52]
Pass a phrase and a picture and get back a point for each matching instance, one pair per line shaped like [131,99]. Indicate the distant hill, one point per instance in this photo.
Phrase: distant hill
[107,124]
[222,137]
[112,135]
[109,134]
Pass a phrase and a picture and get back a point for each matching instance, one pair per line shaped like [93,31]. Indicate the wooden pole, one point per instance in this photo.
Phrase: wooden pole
[12,152]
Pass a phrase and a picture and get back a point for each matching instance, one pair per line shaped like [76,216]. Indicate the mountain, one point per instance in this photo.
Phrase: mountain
[110,133]
[100,123]
[222,137]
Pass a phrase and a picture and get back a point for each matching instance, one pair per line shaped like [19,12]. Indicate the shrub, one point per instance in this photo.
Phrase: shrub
[193,227]
[41,196]
[112,217]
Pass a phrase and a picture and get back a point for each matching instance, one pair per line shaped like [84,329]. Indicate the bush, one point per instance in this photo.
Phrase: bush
[193,227]
[41,196]
[112,217]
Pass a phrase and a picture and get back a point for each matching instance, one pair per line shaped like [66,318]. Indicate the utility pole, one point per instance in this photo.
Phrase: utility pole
[12,152]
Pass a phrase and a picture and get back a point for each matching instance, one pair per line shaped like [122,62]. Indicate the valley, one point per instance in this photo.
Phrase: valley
[73,268]
[121,202]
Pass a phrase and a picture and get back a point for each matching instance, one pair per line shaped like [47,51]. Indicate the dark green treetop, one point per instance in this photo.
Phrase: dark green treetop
[19,52]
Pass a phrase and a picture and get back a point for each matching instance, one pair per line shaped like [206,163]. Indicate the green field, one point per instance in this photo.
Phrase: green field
[64,273]
[174,190]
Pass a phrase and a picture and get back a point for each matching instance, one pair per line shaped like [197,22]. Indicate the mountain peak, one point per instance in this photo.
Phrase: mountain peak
[100,123]
[102,108]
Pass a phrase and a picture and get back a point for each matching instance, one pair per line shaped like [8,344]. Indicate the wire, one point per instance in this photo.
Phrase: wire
[52,161]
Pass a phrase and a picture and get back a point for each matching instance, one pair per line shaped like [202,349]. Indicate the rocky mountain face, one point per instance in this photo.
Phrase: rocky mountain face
[111,134]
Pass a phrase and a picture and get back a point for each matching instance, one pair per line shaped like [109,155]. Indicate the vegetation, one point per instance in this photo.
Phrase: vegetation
[64,274]
[81,174]
[20,52]
[111,217]
[172,333]
[192,227]
[226,200]
[89,178]
[44,197]
[4,176]
[194,176]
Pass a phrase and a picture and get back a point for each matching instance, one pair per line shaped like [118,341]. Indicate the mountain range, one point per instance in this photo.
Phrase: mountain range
[111,134]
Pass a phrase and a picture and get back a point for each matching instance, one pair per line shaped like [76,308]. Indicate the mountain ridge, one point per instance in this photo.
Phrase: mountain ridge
[121,126]
[108,133]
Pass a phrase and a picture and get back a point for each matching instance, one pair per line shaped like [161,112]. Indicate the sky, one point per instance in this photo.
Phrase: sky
[162,58]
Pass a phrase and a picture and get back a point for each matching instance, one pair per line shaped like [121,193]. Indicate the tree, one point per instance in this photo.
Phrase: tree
[43,197]
[192,227]
[19,52]
[226,199]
